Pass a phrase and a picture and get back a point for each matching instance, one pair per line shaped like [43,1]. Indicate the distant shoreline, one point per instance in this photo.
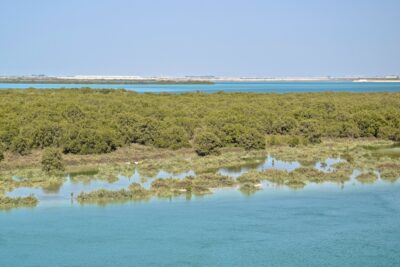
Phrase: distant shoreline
[41,79]
[100,81]
[376,81]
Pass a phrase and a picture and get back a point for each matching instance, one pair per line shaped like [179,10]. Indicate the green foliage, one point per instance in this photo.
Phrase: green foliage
[73,114]
[284,125]
[273,140]
[251,139]
[314,137]
[230,133]
[310,129]
[86,121]
[293,141]
[206,143]
[21,145]
[89,141]
[145,131]
[7,134]
[395,136]
[388,132]
[125,125]
[173,138]
[52,160]
[47,135]
[1,153]
[348,129]
[368,123]
[238,135]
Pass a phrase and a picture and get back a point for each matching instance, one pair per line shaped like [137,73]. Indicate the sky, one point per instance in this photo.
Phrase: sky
[252,38]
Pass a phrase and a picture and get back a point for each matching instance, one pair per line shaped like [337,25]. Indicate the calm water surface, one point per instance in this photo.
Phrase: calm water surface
[257,87]
[320,225]
[324,226]
[61,193]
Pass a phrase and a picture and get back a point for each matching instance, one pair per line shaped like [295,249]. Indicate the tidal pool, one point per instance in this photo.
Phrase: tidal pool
[267,163]
[64,193]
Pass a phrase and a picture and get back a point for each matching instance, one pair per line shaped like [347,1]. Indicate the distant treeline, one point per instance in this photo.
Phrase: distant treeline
[98,81]
[88,121]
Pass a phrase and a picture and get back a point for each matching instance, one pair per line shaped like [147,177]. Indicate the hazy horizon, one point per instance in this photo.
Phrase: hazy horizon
[181,38]
[96,76]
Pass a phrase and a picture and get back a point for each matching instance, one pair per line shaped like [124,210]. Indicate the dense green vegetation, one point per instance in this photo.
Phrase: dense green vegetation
[1,153]
[52,160]
[206,143]
[86,121]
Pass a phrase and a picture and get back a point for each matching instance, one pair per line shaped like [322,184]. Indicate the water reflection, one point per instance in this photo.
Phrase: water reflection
[327,166]
[268,163]
[62,191]
[391,151]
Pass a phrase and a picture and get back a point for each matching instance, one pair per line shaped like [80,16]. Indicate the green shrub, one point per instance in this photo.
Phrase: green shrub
[145,131]
[206,143]
[230,133]
[347,129]
[293,141]
[252,139]
[173,138]
[314,137]
[125,125]
[89,141]
[52,160]
[73,114]
[368,123]
[21,145]
[1,153]
[395,136]
[388,132]
[47,135]
[239,135]
[311,130]
[284,125]
[7,134]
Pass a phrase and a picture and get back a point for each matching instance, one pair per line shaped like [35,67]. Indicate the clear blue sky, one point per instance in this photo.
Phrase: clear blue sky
[202,37]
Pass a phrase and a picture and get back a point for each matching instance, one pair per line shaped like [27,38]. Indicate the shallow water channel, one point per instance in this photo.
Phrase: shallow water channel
[62,193]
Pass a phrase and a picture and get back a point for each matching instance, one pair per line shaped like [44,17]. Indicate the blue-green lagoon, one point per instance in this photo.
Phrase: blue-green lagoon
[254,87]
[315,226]
[328,224]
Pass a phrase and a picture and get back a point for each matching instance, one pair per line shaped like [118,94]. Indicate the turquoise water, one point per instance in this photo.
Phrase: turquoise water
[257,87]
[350,224]
[61,193]
[322,225]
